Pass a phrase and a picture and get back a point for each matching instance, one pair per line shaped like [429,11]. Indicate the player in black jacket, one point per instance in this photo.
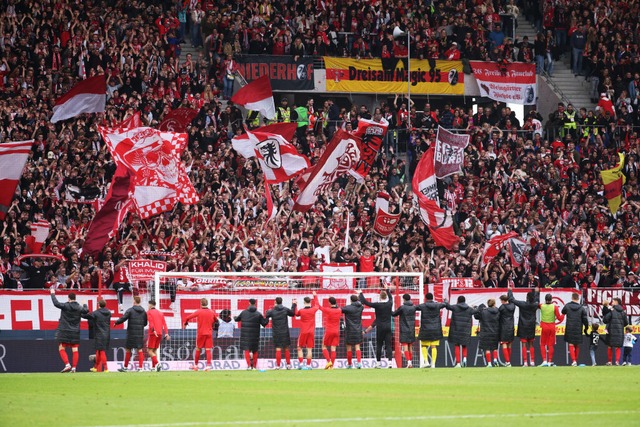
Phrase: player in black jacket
[506,327]
[136,318]
[250,322]
[279,316]
[100,328]
[383,310]
[430,328]
[407,313]
[353,330]
[460,328]
[68,331]
[489,317]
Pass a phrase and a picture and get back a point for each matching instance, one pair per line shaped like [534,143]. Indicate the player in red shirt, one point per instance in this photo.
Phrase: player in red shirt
[157,325]
[307,316]
[206,318]
[331,322]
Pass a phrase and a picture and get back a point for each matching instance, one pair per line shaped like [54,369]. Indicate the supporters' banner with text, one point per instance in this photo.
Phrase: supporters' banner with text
[433,77]
[630,298]
[283,71]
[145,269]
[449,155]
[514,83]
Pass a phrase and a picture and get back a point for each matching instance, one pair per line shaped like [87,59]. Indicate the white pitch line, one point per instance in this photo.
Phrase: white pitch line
[373,419]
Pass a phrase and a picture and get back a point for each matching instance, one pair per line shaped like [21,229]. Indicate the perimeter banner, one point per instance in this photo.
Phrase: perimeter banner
[390,76]
[284,72]
[513,83]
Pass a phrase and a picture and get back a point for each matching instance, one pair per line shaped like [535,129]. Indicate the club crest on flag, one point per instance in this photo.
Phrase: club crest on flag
[270,151]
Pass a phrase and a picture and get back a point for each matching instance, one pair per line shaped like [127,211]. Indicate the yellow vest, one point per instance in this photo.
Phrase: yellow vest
[285,113]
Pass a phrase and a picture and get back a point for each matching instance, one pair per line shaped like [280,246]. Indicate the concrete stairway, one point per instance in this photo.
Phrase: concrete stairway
[572,89]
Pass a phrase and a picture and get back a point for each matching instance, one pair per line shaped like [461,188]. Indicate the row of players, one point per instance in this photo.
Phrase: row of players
[496,329]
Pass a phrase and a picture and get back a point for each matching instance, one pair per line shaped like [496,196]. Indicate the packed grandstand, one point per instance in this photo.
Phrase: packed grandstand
[533,175]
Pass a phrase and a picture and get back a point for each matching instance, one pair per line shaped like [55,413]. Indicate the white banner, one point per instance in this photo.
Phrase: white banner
[513,83]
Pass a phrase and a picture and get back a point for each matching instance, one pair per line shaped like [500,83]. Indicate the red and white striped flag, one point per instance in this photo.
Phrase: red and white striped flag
[88,96]
[257,96]
[13,156]
[39,233]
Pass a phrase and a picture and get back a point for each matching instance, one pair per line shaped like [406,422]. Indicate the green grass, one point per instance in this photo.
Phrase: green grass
[444,397]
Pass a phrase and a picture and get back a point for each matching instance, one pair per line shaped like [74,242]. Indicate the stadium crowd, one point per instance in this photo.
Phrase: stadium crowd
[517,176]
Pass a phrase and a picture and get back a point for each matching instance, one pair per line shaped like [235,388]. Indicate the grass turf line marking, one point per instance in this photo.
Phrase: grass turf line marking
[373,419]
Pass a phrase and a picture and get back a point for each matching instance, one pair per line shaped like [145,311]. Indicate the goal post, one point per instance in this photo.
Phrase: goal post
[229,293]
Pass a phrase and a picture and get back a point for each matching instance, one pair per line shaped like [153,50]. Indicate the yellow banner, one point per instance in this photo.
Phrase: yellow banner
[390,76]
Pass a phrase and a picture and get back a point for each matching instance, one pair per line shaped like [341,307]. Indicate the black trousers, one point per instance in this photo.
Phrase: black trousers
[384,337]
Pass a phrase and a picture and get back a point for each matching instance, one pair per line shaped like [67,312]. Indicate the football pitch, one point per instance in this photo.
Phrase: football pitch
[444,397]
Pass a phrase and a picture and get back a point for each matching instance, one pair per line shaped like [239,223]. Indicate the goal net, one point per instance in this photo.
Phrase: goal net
[178,294]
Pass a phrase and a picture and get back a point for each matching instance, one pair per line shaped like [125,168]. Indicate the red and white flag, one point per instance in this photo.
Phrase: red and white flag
[278,158]
[88,96]
[341,155]
[493,247]
[39,233]
[13,157]
[449,155]
[425,192]
[517,250]
[159,178]
[257,96]
[385,222]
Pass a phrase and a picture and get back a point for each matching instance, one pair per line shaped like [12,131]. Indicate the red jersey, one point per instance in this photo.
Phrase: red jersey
[307,317]
[205,318]
[157,323]
[331,319]
[367,263]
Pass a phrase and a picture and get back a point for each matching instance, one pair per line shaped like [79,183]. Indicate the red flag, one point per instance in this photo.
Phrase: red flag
[385,222]
[105,220]
[257,96]
[88,96]
[178,120]
[278,158]
[495,245]
[370,135]
[425,191]
[13,156]
[340,156]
